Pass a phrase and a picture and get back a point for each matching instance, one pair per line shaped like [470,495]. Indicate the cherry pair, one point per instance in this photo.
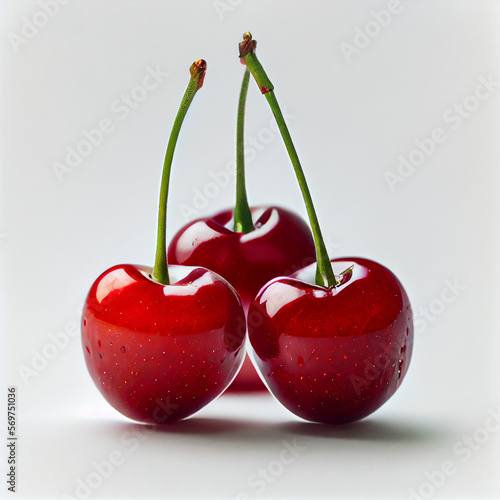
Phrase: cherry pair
[332,341]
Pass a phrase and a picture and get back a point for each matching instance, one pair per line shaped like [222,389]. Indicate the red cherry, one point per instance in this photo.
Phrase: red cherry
[333,354]
[331,347]
[159,349]
[159,353]
[280,244]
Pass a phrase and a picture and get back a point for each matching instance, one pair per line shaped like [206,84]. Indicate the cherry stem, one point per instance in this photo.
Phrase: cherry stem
[324,272]
[242,214]
[160,270]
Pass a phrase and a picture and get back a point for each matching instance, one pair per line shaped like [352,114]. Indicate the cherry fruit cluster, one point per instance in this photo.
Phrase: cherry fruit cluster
[330,339]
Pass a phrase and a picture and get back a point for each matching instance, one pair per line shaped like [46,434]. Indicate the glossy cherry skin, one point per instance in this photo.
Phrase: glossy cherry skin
[159,353]
[280,244]
[332,355]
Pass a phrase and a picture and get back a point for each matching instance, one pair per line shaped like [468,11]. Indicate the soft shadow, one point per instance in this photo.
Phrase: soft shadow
[197,426]
[205,425]
[369,430]
[251,431]
[262,431]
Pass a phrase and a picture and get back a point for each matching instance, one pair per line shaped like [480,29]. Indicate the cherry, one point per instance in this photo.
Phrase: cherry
[280,244]
[247,246]
[158,352]
[161,343]
[333,354]
[333,341]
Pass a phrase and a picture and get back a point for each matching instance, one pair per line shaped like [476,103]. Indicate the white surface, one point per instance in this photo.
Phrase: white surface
[350,122]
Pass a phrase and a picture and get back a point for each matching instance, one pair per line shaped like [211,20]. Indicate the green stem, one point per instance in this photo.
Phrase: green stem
[324,272]
[242,215]
[160,270]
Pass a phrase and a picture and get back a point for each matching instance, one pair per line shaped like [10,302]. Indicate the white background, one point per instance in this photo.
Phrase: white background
[350,120]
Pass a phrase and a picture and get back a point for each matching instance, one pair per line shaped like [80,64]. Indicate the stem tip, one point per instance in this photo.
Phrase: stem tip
[247,45]
[197,71]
